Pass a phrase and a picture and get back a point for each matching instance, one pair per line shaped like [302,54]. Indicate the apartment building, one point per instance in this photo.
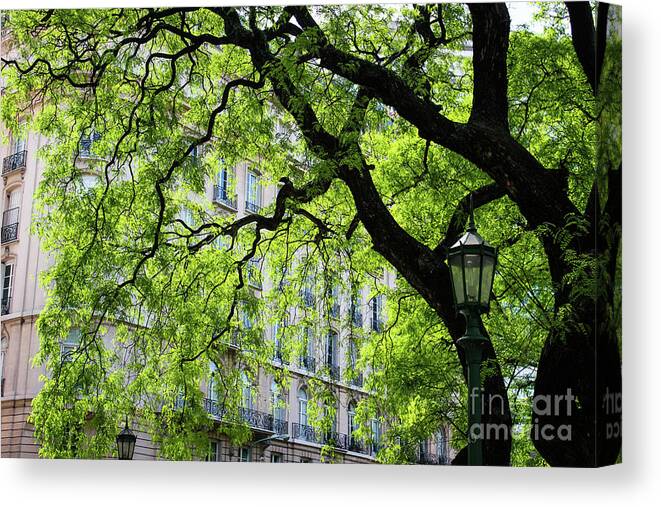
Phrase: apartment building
[279,418]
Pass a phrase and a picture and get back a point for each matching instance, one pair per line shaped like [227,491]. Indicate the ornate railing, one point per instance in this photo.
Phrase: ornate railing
[254,418]
[333,371]
[305,432]
[356,445]
[220,195]
[357,380]
[308,362]
[14,162]
[337,440]
[253,207]
[6,303]
[310,434]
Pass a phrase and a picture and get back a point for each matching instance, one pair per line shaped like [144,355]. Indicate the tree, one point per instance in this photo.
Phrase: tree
[378,131]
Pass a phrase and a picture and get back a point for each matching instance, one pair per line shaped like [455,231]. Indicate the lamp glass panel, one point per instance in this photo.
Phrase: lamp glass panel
[457,278]
[472,274]
[487,279]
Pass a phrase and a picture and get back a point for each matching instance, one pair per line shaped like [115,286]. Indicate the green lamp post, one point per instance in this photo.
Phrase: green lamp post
[472,264]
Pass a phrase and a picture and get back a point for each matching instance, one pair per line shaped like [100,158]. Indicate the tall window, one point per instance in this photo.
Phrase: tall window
[245,455]
[253,192]
[376,436]
[277,402]
[255,272]
[246,390]
[307,359]
[377,313]
[4,343]
[331,348]
[351,421]
[441,447]
[7,286]
[222,188]
[11,215]
[18,141]
[302,407]
[213,386]
[214,451]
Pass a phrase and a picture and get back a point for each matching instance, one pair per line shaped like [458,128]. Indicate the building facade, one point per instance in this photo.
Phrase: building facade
[278,418]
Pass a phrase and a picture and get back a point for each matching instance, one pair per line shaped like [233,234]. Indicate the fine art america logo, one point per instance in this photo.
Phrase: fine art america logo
[559,405]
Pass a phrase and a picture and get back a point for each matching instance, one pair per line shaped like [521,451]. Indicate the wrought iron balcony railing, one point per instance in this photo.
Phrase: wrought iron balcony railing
[356,445]
[309,363]
[333,371]
[253,207]
[357,380]
[307,433]
[254,418]
[222,196]
[14,162]
[6,304]
[310,434]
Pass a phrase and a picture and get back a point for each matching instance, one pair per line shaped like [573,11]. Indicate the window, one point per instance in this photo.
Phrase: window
[245,454]
[214,451]
[3,352]
[356,312]
[18,143]
[246,390]
[278,332]
[442,447]
[10,216]
[277,402]
[335,302]
[70,344]
[255,272]
[331,348]
[222,189]
[213,387]
[302,407]
[352,425]
[276,457]
[86,142]
[307,359]
[7,286]
[186,216]
[377,313]
[253,192]
[306,460]
[375,444]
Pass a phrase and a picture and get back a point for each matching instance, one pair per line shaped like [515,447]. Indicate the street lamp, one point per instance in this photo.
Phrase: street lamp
[126,442]
[472,264]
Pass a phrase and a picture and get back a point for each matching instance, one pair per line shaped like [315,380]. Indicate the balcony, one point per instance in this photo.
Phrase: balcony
[255,419]
[310,434]
[356,445]
[10,225]
[279,356]
[357,380]
[309,363]
[14,162]
[333,371]
[6,304]
[253,207]
[222,196]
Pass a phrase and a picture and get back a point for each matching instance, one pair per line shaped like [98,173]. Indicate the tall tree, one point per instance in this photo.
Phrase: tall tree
[379,127]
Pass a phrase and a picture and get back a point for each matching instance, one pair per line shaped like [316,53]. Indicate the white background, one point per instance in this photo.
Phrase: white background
[636,482]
